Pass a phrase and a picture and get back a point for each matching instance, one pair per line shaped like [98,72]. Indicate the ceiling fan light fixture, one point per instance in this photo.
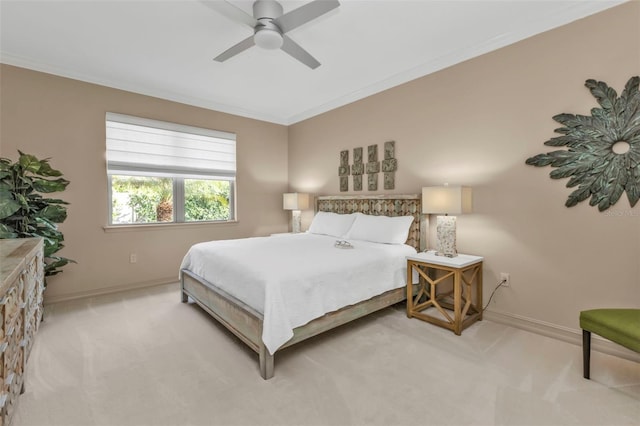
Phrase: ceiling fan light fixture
[270,26]
[268,39]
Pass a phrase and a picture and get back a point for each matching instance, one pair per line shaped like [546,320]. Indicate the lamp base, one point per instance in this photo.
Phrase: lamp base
[446,233]
[296,222]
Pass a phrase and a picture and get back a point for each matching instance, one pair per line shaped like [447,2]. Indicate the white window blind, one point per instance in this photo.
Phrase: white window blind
[140,146]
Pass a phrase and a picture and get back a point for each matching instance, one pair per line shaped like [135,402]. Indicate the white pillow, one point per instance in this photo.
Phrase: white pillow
[333,224]
[381,229]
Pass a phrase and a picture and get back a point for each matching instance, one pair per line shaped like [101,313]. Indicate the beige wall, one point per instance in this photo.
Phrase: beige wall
[64,119]
[475,124]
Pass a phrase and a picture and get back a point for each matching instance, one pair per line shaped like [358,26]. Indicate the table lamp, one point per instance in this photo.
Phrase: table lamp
[444,201]
[296,202]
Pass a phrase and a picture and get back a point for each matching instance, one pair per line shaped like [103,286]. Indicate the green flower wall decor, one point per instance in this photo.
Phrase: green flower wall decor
[603,155]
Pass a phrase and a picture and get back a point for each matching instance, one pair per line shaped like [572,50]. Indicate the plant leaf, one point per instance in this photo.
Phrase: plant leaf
[29,163]
[56,201]
[7,232]
[46,186]
[54,213]
[8,205]
[46,170]
[53,263]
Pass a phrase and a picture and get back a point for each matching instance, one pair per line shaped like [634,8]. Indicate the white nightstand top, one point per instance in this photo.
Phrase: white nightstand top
[460,261]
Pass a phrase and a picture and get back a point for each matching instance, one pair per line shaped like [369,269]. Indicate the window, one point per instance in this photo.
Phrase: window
[162,172]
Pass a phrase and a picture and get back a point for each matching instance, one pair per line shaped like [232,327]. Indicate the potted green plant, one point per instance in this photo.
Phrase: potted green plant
[25,213]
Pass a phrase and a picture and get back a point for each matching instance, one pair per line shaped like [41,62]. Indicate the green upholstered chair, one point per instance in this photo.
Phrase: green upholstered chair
[618,325]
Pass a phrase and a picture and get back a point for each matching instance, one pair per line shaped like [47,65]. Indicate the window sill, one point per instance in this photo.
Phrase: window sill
[161,226]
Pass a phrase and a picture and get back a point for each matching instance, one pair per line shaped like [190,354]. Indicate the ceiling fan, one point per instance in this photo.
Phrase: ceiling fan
[270,26]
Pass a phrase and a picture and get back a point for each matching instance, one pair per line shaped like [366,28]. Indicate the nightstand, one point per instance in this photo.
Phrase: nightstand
[445,294]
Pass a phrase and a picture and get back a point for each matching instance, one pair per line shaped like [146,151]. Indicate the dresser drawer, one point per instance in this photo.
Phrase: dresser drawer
[10,394]
[34,273]
[12,356]
[10,303]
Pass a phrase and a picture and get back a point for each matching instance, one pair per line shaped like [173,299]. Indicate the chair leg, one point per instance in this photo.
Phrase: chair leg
[586,353]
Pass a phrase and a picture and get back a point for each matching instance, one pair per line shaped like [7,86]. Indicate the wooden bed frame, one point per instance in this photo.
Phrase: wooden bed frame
[246,323]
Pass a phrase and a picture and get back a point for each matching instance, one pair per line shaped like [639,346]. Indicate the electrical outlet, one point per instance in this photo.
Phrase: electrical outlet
[505,279]
[133,258]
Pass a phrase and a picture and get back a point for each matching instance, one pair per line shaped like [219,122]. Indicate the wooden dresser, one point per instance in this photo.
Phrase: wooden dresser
[21,293]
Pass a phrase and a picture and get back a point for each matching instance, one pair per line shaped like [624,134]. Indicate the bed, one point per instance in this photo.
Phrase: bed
[269,297]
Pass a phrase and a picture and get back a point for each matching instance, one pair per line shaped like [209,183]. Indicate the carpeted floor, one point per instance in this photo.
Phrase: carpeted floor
[143,358]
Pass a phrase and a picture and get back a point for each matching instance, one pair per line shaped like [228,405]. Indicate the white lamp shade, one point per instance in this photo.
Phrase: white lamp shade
[446,200]
[295,201]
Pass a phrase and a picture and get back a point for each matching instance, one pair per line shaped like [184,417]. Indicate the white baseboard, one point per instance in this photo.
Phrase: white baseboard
[561,333]
[106,290]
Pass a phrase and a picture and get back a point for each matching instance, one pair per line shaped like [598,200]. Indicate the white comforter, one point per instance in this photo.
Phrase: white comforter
[293,279]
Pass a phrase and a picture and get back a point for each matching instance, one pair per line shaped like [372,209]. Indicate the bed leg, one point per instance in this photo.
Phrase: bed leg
[266,363]
[183,296]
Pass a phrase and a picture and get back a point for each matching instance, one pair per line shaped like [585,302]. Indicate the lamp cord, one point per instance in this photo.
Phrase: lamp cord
[500,284]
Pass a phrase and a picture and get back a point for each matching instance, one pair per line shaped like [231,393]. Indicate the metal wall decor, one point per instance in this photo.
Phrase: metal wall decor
[371,168]
[603,155]
[357,170]
[343,171]
[389,165]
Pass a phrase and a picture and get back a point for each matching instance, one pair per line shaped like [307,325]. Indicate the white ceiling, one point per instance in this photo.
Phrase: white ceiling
[166,48]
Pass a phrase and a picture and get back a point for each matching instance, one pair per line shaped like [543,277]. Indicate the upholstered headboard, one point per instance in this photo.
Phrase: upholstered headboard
[378,205]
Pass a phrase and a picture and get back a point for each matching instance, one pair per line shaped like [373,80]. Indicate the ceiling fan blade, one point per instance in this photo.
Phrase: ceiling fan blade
[231,11]
[235,49]
[294,49]
[304,14]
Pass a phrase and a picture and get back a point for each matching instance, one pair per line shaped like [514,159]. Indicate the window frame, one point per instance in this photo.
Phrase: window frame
[178,187]
[178,208]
